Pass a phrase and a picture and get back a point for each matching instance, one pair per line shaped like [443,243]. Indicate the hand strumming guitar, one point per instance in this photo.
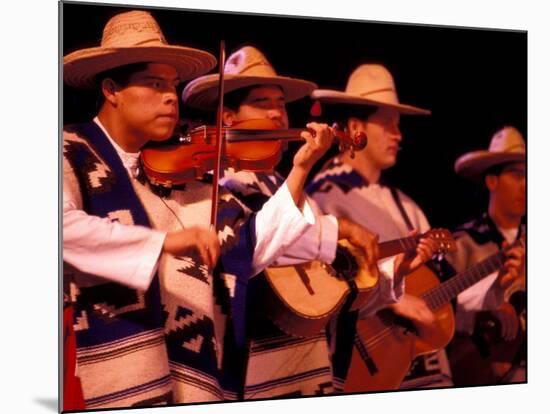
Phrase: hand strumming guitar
[362,238]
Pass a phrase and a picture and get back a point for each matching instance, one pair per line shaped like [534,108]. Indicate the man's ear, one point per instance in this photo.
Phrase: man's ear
[109,90]
[353,125]
[491,182]
[228,117]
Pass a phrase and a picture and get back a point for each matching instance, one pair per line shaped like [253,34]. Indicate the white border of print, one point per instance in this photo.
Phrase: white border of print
[30,201]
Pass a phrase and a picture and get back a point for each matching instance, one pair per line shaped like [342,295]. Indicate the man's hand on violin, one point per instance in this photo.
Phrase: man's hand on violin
[361,238]
[317,144]
[408,263]
[202,240]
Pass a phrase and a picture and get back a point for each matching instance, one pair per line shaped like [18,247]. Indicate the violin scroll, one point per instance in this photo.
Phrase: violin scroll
[349,143]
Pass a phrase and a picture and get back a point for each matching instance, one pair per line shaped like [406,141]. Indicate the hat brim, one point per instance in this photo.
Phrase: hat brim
[474,164]
[202,93]
[81,67]
[337,97]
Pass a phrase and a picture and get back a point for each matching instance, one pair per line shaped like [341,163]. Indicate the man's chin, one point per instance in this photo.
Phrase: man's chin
[159,137]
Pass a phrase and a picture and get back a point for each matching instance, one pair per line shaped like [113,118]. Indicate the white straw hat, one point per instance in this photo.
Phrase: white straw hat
[132,37]
[369,84]
[506,146]
[246,67]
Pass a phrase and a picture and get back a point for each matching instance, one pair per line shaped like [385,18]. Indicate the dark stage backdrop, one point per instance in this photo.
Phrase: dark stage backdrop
[473,80]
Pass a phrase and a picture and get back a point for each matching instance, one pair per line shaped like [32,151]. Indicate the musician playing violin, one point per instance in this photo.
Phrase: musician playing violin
[499,300]
[255,91]
[142,271]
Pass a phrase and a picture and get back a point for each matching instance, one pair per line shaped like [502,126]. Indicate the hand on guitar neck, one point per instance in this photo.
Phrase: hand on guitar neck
[408,262]
[514,266]
[367,241]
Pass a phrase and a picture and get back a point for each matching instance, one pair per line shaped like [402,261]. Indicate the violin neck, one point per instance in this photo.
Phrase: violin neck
[243,135]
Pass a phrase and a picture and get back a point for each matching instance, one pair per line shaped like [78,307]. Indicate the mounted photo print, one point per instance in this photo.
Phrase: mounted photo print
[253,213]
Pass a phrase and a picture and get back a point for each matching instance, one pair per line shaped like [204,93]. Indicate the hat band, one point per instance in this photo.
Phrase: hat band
[243,70]
[377,91]
[513,149]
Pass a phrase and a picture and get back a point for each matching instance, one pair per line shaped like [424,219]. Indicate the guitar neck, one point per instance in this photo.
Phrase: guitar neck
[393,247]
[443,293]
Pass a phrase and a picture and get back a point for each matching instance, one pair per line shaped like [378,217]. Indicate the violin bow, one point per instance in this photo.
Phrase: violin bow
[219,142]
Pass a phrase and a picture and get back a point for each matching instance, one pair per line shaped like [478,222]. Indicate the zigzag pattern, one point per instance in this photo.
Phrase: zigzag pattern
[191,267]
[91,172]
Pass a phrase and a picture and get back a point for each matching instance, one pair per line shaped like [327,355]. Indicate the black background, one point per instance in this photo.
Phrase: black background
[473,80]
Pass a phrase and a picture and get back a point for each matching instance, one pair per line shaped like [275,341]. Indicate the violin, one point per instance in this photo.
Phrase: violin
[251,145]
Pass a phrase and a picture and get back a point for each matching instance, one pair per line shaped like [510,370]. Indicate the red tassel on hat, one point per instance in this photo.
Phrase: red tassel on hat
[316,109]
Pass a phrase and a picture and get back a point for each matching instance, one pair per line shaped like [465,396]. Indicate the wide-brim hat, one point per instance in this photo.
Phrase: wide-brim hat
[372,85]
[246,67]
[507,146]
[133,37]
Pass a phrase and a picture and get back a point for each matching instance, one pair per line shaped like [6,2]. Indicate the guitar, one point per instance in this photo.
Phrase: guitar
[385,344]
[301,299]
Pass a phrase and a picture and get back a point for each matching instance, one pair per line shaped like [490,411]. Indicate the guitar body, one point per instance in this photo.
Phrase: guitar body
[301,299]
[386,345]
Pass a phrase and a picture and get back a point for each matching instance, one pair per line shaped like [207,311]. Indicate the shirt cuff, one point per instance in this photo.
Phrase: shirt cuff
[386,293]
[149,263]
[328,238]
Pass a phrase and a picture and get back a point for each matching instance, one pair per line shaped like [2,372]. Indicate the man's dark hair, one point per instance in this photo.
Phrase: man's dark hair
[496,169]
[120,75]
[232,100]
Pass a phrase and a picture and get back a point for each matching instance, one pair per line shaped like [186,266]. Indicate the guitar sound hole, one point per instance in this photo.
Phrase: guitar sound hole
[344,264]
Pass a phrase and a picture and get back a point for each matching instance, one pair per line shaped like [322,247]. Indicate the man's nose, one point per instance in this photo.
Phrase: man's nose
[274,113]
[396,134]
[171,97]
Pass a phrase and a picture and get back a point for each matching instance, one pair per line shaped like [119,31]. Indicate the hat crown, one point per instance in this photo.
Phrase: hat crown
[508,139]
[373,82]
[249,61]
[131,29]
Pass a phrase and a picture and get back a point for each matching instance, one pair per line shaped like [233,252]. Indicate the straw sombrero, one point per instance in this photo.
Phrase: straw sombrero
[369,84]
[506,146]
[246,67]
[132,37]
